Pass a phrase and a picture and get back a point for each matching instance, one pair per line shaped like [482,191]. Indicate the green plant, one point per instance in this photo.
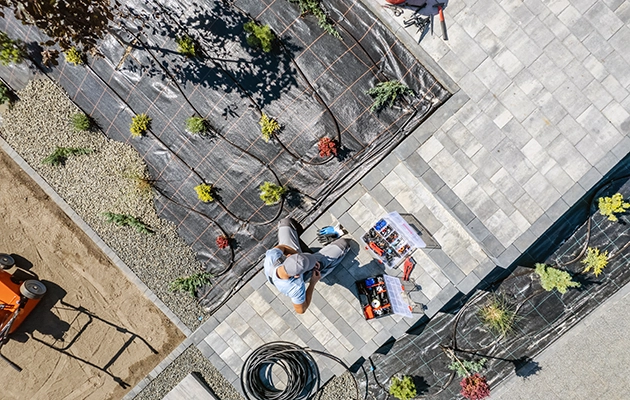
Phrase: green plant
[314,7]
[61,154]
[609,206]
[143,184]
[268,127]
[553,278]
[259,36]
[385,92]
[74,56]
[81,122]
[465,368]
[196,125]
[127,220]
[271,193]
[475,387]
[5,93]
[139,124]
[402,389]
[10,50]
[191,283]
[498,315]
[204,192]
[595,261]
[186,46]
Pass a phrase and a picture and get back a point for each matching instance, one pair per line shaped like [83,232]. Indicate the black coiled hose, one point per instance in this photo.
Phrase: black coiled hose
[298,364]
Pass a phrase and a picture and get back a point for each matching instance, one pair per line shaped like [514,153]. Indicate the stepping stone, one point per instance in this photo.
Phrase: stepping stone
[190,388]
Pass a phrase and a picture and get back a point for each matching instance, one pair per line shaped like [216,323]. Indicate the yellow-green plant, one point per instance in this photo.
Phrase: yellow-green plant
[259,36]
[74,56]
[595,261]
[498,315]
[196,125]
[609,206]
[271,193]
[553,278]
[139,125]
[268,127]
[81,122]
[10,50]
[186,46]
[191,283]
[204,192]
[402,389]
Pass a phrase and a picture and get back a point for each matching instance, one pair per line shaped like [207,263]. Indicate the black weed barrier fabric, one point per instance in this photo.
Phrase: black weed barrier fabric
[313,84]
[542,316]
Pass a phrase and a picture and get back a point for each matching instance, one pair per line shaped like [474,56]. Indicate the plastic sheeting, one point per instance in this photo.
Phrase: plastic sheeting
[312,83]
[542,315]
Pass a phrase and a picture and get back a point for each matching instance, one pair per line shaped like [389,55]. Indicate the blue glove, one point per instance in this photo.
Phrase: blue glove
[328,231]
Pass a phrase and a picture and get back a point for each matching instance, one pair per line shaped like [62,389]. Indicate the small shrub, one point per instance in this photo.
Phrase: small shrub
[204,193]
[74,56]
[268,127]
[191,283]
[196,125]
[139,125]
[259,36]
[143,184]
[81,122]
[465,368]
[10,50]
[5,93]
[61,154]
[402,389]
[313,7]
[475,387]
[186,46]
[553,278]
[127,220]
[386,93]
[49,57]
[609,206]
[271,193]
[223,241]
[498,315]
[595,261]
[327,147]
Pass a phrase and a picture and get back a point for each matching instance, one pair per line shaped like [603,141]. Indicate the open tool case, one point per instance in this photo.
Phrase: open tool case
[374,297]
[391,239]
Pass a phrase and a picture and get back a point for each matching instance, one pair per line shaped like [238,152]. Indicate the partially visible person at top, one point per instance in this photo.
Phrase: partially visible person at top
[286,264]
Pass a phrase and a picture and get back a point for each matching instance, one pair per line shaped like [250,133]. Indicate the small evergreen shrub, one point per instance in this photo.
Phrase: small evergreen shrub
[402,389]
[223,241]
[553,278]
[386,94]
[314,7]
[74,56]
[271,193]
[81,122]
[465,368]
[609,206]
[143,184]
[5,93]
[595,261]
[127,220]
[196,125]
[61,154]
[204,193]
[10,50]
[191,283]
[268,127]
[327,147]
[498,315]
[259,36]
[475,387]
[186,46]
[139,125]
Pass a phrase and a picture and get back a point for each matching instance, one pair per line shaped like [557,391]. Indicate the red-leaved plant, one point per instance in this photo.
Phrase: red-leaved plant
[327,147]
[475,387]
[223,241]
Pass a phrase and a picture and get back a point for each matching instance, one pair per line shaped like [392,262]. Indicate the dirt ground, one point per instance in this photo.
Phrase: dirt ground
[94,332]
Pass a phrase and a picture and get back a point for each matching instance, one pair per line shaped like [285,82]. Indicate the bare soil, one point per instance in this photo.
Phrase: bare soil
[94,335]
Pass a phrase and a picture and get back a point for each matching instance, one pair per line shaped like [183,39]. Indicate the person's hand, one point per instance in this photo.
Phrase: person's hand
[316,275]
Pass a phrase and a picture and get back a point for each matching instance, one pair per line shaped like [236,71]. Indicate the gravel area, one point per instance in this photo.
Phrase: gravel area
[191,360]
[102,182]
[339,388]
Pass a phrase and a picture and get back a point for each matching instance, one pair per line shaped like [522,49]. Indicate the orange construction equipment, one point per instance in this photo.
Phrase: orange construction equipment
[17,299]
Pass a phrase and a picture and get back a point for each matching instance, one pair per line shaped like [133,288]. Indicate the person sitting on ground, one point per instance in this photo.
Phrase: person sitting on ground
[286,264]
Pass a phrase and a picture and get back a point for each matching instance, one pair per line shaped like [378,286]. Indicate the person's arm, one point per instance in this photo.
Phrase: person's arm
[286,250]
[301,308]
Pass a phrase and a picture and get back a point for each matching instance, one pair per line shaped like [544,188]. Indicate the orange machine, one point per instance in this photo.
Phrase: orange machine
[17,299]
